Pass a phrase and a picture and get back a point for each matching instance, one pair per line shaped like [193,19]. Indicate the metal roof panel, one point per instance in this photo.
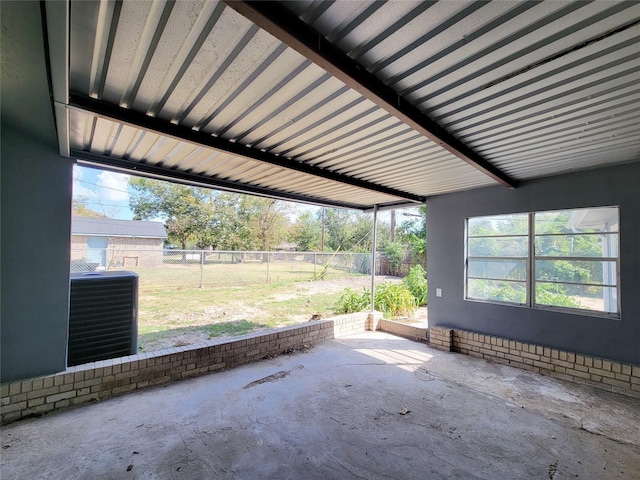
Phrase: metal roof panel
[533,87]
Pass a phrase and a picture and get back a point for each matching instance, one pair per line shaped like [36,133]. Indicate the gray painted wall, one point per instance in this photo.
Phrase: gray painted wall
[446,214]
[35,206]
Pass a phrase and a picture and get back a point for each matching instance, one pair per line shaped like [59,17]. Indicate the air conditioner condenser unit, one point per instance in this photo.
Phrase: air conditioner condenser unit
[103,316]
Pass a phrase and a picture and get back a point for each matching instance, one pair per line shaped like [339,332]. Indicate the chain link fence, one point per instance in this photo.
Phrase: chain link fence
[212,268]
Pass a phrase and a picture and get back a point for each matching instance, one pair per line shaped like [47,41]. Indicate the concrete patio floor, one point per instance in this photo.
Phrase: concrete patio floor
[370,406]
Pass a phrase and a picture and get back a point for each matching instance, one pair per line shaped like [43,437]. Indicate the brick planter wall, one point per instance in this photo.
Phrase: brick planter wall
[598,372]
[404,330]
[108,378]
[441,338]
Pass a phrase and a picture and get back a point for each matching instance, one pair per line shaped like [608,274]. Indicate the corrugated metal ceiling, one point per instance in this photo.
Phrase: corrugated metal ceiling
[535,88]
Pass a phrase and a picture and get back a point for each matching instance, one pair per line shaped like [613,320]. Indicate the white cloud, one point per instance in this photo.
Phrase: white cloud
[114,186]
[79,188]
[105,192]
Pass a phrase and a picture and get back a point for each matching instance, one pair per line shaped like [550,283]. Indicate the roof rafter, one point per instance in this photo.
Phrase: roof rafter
[180,132]
[121,165]
[289,29]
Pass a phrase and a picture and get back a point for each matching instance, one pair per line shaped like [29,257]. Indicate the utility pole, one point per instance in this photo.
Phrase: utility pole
[393,226]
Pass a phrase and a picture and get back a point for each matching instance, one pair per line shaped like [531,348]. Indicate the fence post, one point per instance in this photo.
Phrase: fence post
[267,267]
[315,260]
[201,268]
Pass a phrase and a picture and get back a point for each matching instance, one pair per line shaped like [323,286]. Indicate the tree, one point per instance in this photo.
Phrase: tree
[306,232]
[413,233]
[185,210]
[80,208]
[241,222]
[226,228]
[348,230]
[363,233]
[338,231]
[394,252]
[267,219]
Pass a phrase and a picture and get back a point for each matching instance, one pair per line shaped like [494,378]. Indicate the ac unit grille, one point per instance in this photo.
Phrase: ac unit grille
[102,316]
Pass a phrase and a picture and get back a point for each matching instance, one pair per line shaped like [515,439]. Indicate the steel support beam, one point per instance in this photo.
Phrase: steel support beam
[180,132]
[57,43]
[283,24]
[121,165]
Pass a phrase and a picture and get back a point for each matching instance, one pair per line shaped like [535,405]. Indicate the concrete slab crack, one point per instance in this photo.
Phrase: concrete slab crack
[600,434]
[269,378]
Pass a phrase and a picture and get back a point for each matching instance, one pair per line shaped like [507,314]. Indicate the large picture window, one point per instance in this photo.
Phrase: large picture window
[565,259]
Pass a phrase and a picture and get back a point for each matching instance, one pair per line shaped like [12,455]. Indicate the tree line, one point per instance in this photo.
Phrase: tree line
[203,218]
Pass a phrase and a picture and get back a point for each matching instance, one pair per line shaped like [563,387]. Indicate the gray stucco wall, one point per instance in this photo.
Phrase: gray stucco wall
[446,214]
[35,208]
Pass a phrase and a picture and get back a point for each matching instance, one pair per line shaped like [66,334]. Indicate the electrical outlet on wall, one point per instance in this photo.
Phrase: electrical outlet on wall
[438,292]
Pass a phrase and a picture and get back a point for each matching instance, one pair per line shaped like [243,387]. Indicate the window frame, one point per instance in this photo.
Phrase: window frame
[531,282]
[501,257]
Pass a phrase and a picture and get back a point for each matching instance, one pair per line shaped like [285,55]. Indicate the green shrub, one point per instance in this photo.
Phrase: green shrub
[395,255]
[416,282]
[352,301]
[394,300]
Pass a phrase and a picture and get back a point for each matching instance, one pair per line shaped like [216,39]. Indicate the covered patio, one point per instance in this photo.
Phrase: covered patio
[476,109]
[369,405]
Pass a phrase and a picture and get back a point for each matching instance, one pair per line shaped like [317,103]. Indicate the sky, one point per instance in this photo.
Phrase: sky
[108,193]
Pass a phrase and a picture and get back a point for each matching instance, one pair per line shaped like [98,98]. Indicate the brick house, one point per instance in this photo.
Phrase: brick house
[103,243]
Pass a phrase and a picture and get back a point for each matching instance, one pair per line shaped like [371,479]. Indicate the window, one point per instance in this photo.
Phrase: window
[497,258]
[565,259]
[576,259]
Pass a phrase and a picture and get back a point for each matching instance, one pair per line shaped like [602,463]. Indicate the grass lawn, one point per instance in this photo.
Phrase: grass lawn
[174,311]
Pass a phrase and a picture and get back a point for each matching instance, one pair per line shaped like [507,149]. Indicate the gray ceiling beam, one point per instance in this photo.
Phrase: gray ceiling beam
[136,119]
[57,43]
[120,165]
[283,24]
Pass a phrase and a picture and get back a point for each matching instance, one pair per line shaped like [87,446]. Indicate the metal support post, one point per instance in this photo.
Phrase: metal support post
[373,256]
